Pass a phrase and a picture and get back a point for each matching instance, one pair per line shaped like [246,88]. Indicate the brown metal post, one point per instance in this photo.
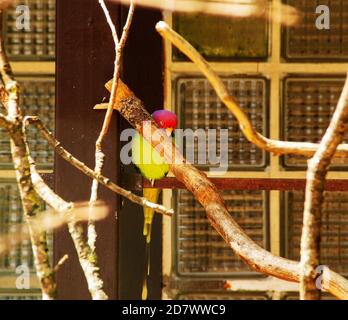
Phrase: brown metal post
[85,54]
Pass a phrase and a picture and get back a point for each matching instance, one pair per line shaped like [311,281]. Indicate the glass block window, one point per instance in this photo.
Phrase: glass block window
[37,99]
[334,249]
[200,249]
[232,296]
[308,107]
[296,296]
[21,296]
[38,43]
[201,109]
[306,41]
[11,215]
[220,38]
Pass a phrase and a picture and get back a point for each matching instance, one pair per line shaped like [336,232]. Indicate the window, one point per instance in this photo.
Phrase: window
[32,53]
[273,73]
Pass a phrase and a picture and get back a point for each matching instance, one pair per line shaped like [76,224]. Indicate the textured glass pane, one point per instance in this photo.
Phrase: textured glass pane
[294,296]
[334,230]
[37,99]
[201,109]
[308,106]
[21,296]
[305,40]
[200,249]
[233,296]
[37,42]
[11,215]
[223,38]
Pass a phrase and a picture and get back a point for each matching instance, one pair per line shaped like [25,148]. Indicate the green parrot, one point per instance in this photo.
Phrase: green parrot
[153,167]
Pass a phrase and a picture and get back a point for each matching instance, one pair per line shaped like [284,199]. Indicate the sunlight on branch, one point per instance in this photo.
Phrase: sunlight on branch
[285,14]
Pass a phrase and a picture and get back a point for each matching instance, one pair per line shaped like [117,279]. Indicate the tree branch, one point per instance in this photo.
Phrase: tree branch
[84,253]
[20,155]
[316,175]
[99,154]
[287,15]
[90,173]
[246,126]
[132,109]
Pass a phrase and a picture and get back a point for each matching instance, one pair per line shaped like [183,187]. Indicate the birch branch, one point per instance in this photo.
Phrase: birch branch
[246,126]
[20,155]
[90,173]
[85,255]
[99,154]
[50,220]
[259,259]
[316,175]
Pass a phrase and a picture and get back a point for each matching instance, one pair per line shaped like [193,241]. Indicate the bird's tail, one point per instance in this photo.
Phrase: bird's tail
[150,194]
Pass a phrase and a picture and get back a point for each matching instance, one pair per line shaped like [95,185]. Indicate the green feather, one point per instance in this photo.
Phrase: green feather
[147,159]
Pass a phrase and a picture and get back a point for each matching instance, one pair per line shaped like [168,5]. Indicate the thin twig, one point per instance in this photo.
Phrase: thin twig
[316,175]
[50,220]
[60,263]
[270,145]
[99,154]
[90,173]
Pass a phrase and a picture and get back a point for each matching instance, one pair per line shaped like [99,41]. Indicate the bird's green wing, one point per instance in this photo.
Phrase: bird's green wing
[147,159]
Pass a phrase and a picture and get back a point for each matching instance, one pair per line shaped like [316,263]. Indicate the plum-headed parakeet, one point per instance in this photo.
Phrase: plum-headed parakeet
[153,167]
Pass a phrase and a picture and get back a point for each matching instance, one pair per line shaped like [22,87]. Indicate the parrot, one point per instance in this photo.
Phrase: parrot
[152,167]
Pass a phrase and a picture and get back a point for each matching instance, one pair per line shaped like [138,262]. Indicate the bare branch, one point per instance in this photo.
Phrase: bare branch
[50,220]
[316,175]
[60,263]
[86,258]
[20,155]
[90,173]
[99,154]
[275,146]
[285,14]
[132,109]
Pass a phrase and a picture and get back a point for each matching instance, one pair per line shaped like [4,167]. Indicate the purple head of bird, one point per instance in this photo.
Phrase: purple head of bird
[165,120]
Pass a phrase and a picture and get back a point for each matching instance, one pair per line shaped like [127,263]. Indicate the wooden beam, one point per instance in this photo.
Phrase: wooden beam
[85,55]
[250,184]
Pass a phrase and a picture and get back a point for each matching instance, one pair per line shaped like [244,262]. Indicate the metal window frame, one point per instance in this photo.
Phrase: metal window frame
[215,275]
[23,57]
[305,58]
[275,69]
[43,76]
[283,120]
[176,78]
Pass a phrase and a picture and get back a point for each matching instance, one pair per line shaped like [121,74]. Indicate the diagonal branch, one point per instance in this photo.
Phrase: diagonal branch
[246,126]
[132,109]
[90,173]
[316,175]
